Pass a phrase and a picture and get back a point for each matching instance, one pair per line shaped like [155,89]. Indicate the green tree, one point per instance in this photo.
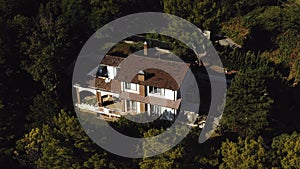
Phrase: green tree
[7,135]
[235,29]
[297,71]
[45,52]
[12,98]
[206,155]
[232,59]
[74,12]
[267,22]
[286,151]
[237,59]
[28,149]
[245,153]
[63,144]
[96,161]
[102,12]
[204,14]
[291,18]
[169,159]
[9,9]
[248,103]
[42,110]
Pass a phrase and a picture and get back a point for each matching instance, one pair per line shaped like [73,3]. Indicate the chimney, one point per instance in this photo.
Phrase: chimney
[145,48]
[141,78]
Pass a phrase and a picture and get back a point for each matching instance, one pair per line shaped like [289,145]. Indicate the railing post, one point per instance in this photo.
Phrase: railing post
[78,95]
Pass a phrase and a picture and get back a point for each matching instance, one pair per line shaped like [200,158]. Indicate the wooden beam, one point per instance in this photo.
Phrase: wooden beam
[99,98]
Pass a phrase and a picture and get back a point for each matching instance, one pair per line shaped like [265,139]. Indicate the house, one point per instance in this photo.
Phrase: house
[135,84]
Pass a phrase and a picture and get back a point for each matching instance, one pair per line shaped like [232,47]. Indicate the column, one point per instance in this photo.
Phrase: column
[78,95]
[99,98]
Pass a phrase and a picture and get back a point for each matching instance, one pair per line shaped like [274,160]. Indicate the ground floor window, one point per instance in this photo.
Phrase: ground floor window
[131,106]
[168,114]
[155,109]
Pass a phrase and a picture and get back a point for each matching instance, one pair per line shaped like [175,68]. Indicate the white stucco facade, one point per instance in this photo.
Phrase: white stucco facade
[133,106]
[112,72]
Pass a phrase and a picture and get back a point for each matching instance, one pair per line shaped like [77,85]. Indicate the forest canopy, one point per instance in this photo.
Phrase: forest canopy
[41,39]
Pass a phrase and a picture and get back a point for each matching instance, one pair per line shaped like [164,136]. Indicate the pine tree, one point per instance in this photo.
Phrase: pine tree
[45,52]
[248,103]
[102,12]
[286,151]
[204,14]
[245,153]
[62,144]
[42,110]
[168,160]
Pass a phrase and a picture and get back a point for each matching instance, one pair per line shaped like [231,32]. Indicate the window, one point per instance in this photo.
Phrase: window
[102,71]
[156,90]
[155,109]
[130,86]
[128,105]
[127,85]
[131,106]
[117,70]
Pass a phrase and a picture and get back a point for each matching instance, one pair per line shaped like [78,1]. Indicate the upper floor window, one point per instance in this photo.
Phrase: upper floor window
[156,90]
[102,71]
[118,69]
[130,86]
